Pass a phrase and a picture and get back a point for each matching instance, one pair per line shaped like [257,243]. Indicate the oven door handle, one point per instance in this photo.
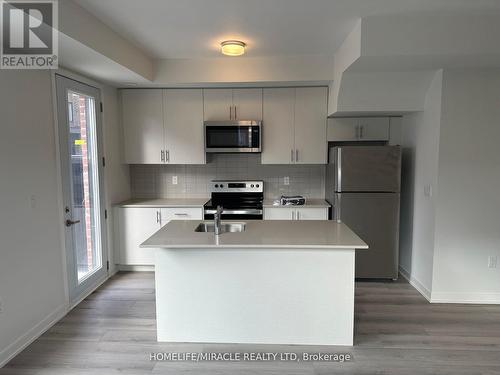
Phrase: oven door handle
[237,212]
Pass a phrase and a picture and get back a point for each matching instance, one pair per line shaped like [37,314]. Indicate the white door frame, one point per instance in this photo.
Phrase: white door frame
[76,292]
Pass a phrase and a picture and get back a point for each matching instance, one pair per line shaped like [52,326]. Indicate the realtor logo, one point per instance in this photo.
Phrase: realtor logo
[29,34]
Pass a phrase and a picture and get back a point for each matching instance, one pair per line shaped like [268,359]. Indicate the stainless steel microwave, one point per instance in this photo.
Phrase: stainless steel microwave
[233,136]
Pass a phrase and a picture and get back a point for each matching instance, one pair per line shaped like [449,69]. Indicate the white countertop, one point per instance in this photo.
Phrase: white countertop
[170,202]
[325,234]
[310,203]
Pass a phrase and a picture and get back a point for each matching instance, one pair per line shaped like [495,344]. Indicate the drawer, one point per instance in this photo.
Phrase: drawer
[181,213]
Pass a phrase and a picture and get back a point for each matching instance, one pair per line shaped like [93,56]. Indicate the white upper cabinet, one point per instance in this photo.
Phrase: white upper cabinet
[184,140]
[232,104]
[163,126]
[374,128]
[358,129]
[294,124]
[342,129]
[310,125]
[142,120]
[218,104]
[247,104]
[278,127]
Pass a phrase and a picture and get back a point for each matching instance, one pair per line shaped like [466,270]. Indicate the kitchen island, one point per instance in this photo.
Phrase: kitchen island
[275,282]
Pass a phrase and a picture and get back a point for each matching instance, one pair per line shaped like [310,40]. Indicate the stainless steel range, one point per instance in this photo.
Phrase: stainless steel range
[239,199]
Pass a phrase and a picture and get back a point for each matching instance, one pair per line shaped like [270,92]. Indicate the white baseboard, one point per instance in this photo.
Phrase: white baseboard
[415,283]
[35,332]
[39,329]
[469,298]
[124,267]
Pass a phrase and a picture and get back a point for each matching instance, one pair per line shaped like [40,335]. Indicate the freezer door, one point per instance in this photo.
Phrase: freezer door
[367,168]
[375,218]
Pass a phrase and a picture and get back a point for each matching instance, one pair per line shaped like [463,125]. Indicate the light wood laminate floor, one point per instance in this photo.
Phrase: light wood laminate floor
[397,332]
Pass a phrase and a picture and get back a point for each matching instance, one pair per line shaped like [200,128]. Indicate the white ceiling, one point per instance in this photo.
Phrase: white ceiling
[194,28]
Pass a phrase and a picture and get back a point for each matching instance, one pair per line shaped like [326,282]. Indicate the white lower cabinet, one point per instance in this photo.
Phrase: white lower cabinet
[312,213]
[136,224]
[293,213]
[279,213]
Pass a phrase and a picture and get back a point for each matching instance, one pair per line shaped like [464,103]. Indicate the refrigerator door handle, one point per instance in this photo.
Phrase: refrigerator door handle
[338,186]
[337,208]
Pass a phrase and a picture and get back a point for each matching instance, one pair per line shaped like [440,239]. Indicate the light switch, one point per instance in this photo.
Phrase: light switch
[174,180]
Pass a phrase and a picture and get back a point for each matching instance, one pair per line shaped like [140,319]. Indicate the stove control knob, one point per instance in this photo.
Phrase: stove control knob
[216,185]
[251,186]
[221,186]
[257,185]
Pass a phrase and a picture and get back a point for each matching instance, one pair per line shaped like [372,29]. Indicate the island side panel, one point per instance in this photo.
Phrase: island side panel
[265,295]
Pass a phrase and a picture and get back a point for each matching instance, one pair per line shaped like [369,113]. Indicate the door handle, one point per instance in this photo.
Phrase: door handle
[230,112]
[291,155]
[293,215]
[71,222]
[162,155]
[361,128]
[296,155]
[298,215]
[167,158]
[235,115]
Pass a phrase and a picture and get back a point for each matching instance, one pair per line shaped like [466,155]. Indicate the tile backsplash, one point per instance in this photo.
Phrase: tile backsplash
[155,181]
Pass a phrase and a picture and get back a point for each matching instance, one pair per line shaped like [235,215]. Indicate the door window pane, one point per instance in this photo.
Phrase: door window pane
[84,184]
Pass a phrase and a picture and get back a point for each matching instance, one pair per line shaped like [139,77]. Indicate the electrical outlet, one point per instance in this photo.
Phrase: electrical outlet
[492,262]
[33,201]
[286,180]
[174,180]
[428,190]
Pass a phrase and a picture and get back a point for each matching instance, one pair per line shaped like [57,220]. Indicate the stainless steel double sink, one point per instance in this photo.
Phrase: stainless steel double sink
[225,227]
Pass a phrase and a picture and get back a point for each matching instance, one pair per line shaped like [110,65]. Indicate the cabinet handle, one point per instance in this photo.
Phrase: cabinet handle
[293,215]
[180,214]
[162,156]
[361,128]
[296,155]
[291,155]
[168,156]
[298,215]
[158,217]
[235,115]
[230,112]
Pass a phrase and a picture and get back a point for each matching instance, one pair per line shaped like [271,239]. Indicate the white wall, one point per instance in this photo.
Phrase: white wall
[420,142]
[32,263]
[468,203]
[256,71]
[31,259]
[78,24]
[116,176]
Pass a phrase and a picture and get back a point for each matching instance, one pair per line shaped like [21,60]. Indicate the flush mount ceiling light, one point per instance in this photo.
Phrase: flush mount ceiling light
[233,48]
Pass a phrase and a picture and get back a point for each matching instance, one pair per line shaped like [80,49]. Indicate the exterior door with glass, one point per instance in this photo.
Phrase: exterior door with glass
[79,123]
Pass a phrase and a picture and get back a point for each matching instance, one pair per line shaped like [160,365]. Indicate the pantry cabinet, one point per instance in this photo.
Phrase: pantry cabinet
[232,104]
[163,126]
[355,129]
[294,125]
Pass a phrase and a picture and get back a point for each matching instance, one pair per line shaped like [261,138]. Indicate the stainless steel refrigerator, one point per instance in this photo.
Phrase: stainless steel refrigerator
[363,186]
